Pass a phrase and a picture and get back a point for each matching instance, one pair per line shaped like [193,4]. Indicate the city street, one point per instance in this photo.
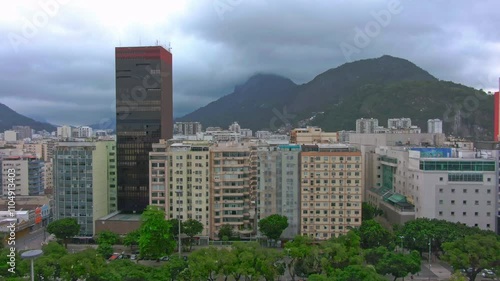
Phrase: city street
[32,240]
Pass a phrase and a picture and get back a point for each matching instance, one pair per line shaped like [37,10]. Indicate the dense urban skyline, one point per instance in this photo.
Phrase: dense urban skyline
[63,71]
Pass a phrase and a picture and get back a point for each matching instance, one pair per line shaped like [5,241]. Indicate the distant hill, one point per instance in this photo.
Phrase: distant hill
[9,118]
[385,87]
[105,124]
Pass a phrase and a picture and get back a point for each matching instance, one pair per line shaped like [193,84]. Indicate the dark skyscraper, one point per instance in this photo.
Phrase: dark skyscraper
[143,116]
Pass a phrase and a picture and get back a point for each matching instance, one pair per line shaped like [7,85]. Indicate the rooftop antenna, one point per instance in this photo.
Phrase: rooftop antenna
[169,47]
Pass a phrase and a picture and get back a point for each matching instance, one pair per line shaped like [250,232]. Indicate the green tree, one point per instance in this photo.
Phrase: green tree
[108,237]
[374,255]
[475,252]
[297,250]
[6,263]
[204,264]
[126,270]
[64,229]
[399,265]
[226,230]
[88,265]
[175,227]
[350,273]
[132,238]
[273,226]
[373,234]
[192,228]
[338,253]
[369,212]
[155,237]
[171,270]
[105,250]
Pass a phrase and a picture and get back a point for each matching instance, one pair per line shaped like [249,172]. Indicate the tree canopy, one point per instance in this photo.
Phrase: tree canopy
[473,254]
[64,229]
[273,226]
[155,239]
[191,228]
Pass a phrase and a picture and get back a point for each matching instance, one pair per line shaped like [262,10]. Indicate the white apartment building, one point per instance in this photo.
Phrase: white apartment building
[84,132]
[187,128]
[10,136]
[235,127]
[179,180]
[434,126]
[366,126]
[28,175]
[440,183]
[398,123]
[278,184]
[64,132]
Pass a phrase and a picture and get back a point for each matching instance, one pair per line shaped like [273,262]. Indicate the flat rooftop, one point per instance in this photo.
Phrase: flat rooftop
[117,216]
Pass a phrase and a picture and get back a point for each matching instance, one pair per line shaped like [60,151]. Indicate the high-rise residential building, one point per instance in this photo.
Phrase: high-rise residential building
[35,149]
[179,181]
[398,123]
[28,175]
[434,126]
[437,183]
[312,135]
[366,126]
[331,190]
[144,115]
[235,127]
[10,136]
[233,184]
[246,133]
[278,184]
[187,128]
[48,148]
[263,134]
[85,182]
[64,132]
[48,178]
[23,132]
[84,132]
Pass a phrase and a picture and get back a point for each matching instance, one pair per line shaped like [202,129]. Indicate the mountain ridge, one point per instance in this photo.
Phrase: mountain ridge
[265,101]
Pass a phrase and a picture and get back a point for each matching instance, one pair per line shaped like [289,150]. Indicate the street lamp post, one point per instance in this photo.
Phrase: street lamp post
[402,237]
[32,255]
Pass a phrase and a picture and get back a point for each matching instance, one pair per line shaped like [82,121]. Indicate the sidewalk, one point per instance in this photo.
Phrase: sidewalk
[441,272]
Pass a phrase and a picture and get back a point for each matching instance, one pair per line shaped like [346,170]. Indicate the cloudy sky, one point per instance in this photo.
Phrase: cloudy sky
[57,56]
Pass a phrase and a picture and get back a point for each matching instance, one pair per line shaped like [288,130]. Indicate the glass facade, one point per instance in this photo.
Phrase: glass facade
[457,166]
[465,177]
[389,159]
[73,182]
[143,117]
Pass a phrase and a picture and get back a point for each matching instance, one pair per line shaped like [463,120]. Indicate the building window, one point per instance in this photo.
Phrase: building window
[476,191]
[465,202]
[488,191]
[440,190]
[488,203]
[440,202]
[452,213]
[464,214]
[476,214]
[440,213]
[465,190]
[441,179]
[452,190]
[476,203]
[452,202]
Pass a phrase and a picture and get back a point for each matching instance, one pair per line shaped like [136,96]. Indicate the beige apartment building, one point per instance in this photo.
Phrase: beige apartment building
[331,190]
[233,187]
[312,135]
[179,180]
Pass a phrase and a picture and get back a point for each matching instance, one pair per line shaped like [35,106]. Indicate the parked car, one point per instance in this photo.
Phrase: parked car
[114,257]
[488,273]
[133,257]
[165,258]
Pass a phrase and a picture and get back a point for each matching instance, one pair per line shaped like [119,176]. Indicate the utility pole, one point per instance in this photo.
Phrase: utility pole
[179,235]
